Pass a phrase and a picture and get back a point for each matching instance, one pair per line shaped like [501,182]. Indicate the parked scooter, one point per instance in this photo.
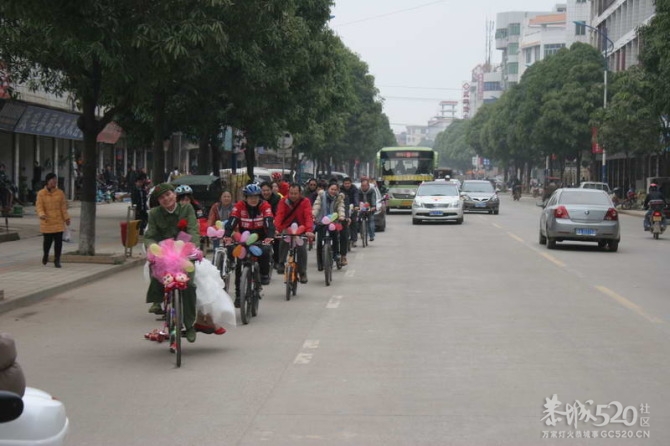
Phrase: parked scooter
[657,222]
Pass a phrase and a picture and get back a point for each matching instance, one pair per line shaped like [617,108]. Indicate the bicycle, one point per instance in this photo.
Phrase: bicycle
[224,264]
[174,321]
[363,220]
[250,281]
[327,256]
[291,268]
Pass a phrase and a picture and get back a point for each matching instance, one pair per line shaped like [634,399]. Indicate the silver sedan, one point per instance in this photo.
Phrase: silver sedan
[584,215]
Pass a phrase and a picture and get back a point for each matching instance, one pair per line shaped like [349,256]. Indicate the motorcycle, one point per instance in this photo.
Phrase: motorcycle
[657,223]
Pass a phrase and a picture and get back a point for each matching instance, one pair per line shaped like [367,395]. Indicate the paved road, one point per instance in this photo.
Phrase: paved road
[434,335]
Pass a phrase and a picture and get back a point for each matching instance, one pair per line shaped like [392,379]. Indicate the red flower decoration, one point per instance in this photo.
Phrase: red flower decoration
[182,225]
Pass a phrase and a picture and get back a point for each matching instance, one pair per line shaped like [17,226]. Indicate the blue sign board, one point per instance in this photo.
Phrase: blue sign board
[46,122]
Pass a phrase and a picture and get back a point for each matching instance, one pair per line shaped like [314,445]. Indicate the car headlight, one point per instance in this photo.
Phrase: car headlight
[412,193]
[494,198]
[416,204]
[466,197]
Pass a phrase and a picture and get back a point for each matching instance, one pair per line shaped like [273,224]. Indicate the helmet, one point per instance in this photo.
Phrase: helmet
[251,189]
[276,176]
[183,189]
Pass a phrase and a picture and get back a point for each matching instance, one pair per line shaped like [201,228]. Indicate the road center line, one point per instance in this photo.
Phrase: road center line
[628,304]
[552,259]
[311,343]
[516,237]
[334,302]
[303,358]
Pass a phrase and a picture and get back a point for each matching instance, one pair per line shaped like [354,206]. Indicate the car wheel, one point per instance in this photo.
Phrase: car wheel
[459,221]
[602,243]
[496,212]
[543,239]
[490,212]
[415,221]
[551,243]
[613,245]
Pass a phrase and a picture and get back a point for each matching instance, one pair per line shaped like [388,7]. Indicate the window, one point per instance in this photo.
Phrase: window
[513,49]
[529,55]
[501,33]
[580,29]
[537,52]
[514,29]
[552,49]
[513,68]
[492,86]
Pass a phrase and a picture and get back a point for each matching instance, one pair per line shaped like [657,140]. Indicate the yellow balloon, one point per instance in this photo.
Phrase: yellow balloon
[334,216]
[155,249]
[189,267]
[219,224]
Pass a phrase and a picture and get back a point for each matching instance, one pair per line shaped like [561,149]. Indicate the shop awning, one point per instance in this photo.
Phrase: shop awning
[111,133]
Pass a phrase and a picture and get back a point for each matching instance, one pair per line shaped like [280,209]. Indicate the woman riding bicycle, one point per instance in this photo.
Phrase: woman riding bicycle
[328,202]
[294,209]
[254,215]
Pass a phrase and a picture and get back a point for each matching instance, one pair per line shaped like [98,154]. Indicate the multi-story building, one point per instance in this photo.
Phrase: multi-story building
[485,86]
[619,21]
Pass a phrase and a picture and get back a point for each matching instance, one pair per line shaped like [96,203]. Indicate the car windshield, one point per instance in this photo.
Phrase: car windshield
[576,197]
[477,187]
[443,190]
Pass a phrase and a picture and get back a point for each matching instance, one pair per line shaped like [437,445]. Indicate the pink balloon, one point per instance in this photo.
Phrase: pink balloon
[299,241]
[294,228]
[331,227]
[326,220]
[220,233]
[244,236]
[287,239]
[236,236]
[211,231]
[338,226]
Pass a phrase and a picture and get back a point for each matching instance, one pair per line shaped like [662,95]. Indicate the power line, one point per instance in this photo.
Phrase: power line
[419,88]
[389,14]
[410,98]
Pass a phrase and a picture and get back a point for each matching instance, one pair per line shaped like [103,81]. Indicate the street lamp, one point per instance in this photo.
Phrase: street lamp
[605,70]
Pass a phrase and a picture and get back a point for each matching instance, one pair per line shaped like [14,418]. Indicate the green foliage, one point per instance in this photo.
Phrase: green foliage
[455,152]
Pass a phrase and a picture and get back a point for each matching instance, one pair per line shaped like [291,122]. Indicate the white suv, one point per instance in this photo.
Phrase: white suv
[595,185]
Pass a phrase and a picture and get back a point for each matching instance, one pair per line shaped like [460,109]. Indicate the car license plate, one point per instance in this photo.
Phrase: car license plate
[406,203]
[657,218]
[587,232]
[436,212]
[480,205]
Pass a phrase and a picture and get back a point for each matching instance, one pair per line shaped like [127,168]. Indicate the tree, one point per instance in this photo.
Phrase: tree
[455,152]
[99,60]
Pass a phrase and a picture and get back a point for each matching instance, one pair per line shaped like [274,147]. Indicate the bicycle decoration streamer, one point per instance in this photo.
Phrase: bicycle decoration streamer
[331,222]
[171,262]
[294,229]
[248,239]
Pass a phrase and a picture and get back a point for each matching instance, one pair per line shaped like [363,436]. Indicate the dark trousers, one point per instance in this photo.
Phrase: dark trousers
[57,239]
[320,234]
[344,238]
[143,216]
[301,255]
[263,263]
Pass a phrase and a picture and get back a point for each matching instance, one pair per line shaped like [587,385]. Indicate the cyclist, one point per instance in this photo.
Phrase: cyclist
[185,196]
[294,209]
[367,195]
[351,194]
[220,210]
[273,198]
[328,202]
[164,223]
[254,215]
[310,190]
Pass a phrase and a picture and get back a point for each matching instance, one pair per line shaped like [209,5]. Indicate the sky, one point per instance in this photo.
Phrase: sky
[421,51]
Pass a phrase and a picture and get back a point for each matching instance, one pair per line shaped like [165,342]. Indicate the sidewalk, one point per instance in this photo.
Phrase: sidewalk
[23,278]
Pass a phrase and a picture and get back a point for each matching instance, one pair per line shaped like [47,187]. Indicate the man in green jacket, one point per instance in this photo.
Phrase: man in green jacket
[167,221]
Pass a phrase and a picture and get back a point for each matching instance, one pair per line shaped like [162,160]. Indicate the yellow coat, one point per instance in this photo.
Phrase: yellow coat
[53,205]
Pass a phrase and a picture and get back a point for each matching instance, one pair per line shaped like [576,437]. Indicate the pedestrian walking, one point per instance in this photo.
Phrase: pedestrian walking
[51,208]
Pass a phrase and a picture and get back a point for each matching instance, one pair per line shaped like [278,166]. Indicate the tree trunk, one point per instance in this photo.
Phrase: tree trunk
[250,157]
[158,174]
[216,154]
[90,128]
[204,155]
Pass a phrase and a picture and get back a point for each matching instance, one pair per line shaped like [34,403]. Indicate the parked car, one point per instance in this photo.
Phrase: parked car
[37,418]
[479,195]
[380,213]
[584,215]
[437,201]
[206,189]
[595,185]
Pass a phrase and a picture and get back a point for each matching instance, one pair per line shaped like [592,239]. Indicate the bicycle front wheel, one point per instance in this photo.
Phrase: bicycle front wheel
[364,233]
[255,288]
[176,324]
[288,278]
[328,263]
[245,294]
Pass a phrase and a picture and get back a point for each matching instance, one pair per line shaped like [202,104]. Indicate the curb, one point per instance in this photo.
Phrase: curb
[39,296]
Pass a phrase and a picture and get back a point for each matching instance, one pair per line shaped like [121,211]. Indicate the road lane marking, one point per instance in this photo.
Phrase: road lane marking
[516,237]
[496,225]
[303,358]
[628,304]
[334,302]
[552,259]
[350,273]
[311,343]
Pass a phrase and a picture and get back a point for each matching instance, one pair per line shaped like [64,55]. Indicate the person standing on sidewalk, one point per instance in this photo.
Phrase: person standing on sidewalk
[51,208]
[139,199]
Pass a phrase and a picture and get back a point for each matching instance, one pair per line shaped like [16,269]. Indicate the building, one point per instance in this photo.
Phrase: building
[619,21]
[485,86]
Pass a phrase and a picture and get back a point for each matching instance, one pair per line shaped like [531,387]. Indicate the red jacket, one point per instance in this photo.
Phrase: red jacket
[287,213]
[255,220]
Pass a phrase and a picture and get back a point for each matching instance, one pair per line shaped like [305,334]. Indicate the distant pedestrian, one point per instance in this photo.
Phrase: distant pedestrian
[51,208]
[140,200]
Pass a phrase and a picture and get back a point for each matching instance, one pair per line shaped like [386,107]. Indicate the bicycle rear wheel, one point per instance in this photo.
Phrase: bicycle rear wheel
[254,286]
[245,294]
[175,325]
[364,233]
[288,278]
[328,263]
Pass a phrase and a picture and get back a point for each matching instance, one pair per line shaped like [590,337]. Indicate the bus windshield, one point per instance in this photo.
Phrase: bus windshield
[406,162]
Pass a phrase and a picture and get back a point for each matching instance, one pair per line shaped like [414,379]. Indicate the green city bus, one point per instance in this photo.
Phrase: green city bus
[401,170]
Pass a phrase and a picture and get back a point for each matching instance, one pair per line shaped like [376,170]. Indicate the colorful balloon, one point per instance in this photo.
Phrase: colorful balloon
[301,229]
[219,224]
[339,226]
[244,236]
[236,236]
[299,241]
[331,227]
[326,220]
[220,233]
[188,267]
[294,228]
[253,238]
[155,249]
[211,231]
[239,252]
[334,217]
[256,250]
